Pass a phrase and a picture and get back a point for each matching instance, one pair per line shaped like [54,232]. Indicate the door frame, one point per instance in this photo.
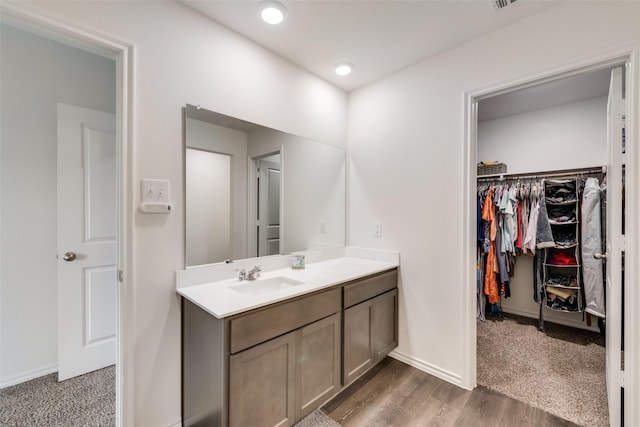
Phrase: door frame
[252,198]
[628,54]
[30,19]
[263,202]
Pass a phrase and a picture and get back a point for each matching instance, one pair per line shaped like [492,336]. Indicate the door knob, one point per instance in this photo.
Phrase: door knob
[69,256]
[600,256]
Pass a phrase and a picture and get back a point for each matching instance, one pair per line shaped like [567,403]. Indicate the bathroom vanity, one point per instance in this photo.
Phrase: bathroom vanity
[270,351]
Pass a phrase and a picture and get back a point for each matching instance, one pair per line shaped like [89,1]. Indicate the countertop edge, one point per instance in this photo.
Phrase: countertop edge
[186,292]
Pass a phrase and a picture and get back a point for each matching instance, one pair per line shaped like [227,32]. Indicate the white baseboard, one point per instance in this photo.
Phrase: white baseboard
[26,376]
[551,317]
[436,371]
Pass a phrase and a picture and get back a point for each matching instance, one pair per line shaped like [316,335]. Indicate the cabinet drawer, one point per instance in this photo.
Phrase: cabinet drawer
[365,289]
[259,326]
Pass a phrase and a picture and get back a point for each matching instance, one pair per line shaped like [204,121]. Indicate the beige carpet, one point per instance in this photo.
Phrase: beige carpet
[561,370]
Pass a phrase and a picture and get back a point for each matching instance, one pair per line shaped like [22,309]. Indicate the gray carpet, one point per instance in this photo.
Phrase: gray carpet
[317,419]
[561,371]
[87,401]
[84,401]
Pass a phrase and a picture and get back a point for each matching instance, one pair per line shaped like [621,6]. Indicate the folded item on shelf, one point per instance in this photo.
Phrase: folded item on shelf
[562,292]
[561,305]
[561,258]
[563,218]
[562,280]
[562,213]
[563,198]
[565,239]
[560,193]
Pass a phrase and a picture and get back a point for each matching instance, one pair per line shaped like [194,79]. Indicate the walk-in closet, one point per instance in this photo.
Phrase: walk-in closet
[544,192]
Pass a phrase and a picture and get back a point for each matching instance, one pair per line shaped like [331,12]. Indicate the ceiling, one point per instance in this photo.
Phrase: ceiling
[576,88]
[378,37]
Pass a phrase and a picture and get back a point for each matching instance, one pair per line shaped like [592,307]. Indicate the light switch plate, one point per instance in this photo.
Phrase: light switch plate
[155,191]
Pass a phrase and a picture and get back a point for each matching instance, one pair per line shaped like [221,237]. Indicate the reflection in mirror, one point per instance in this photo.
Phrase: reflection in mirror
[254,191]
[267,214]
[208,206]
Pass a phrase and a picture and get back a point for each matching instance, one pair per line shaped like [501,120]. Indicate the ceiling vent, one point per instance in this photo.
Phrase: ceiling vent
[499,4]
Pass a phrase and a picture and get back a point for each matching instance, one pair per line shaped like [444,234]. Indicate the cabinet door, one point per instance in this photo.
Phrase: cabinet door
[385,324]
[318,364]
[358,341]
[262,384]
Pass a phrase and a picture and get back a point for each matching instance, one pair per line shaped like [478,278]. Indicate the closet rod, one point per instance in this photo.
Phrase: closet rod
[546,174]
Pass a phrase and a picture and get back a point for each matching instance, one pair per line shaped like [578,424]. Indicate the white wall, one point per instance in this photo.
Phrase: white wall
[220,139]
[406,162]
[182,57]
[35,75]
[563,137]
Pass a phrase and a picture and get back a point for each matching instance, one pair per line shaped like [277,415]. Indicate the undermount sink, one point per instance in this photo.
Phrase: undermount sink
[265,286]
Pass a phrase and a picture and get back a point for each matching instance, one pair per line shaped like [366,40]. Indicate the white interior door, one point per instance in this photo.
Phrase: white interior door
[615,247]
[268,207]
[87,282]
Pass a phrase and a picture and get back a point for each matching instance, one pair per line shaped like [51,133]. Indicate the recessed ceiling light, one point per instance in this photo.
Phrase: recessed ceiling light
[273,12]
[344,68]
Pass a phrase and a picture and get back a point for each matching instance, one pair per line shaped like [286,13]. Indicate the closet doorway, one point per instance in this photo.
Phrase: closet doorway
[561,123]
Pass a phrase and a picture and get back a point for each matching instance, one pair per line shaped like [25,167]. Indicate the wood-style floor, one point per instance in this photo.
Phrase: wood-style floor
[395,394]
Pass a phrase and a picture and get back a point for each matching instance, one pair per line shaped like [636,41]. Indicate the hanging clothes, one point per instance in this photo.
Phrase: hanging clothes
[490,281]
[544,235]
[530,238]
[528,218]
[480,299]
[592,244]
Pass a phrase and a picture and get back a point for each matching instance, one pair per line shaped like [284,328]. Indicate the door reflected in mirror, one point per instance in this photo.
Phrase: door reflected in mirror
[253,191]
[267,185]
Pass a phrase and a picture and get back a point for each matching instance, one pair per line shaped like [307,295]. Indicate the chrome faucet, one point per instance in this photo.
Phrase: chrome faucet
[254,273]
[249,275]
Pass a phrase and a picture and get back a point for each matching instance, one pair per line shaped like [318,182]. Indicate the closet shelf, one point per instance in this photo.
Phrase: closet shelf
[562,266]
[551,285]
[571,246]
[552,222]
[566,203]
[563,311]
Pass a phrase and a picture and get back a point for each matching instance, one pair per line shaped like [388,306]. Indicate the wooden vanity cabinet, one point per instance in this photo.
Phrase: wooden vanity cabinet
[370,323]
[284,379]
[262,384]
[318,369]
[274,365]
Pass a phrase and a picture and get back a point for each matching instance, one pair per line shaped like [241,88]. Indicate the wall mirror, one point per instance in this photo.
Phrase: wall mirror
[252,191]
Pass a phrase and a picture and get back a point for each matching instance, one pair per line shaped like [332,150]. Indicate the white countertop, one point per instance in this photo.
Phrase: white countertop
[219,299]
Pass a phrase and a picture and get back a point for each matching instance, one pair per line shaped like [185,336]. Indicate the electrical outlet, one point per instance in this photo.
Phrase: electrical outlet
[377,229]
[323,226]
